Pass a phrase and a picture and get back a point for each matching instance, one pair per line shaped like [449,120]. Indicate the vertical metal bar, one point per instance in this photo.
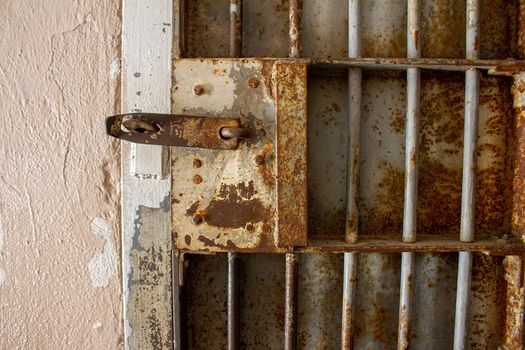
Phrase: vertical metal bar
[295,29]
[290,314]
[290,306]
[235,28]
[411,174]
[352,187]
[233,301]
[235,46]
[469,179]
[349,290]
[405,300]
[462,300]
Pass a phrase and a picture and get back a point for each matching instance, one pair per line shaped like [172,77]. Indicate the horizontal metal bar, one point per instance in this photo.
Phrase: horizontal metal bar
[498,67]
[367,244]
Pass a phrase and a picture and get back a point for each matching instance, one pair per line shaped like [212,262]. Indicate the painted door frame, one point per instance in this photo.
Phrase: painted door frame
[150,40]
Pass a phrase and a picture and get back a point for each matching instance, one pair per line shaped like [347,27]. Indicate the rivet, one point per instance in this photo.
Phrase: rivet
[258,160]
[250,227]
[198,90]
[197,219]
[197,163]
[197,179]
[253,83]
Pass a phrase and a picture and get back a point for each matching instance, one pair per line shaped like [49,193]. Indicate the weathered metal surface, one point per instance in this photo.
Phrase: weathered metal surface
[291,129]
[236,197]
[518,186]
[515,302]
[442,101]
[175,130]
[296,28]
[290,302]
[235,36]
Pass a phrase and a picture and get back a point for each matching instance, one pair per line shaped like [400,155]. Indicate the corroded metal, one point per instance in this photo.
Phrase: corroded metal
[291,129]
[235,36]
[290,304]
[175,130]
[295,31]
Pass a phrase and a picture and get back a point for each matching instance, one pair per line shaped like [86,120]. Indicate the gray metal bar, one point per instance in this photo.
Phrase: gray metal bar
[295,29]
[411,174]
[233,301]
[469,176]
[235,28]
[349,291]
[462,300]
[352,188]
[290,305]
[235,46]
[405,299]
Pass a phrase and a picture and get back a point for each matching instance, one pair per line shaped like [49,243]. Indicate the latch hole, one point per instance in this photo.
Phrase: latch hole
[140,126]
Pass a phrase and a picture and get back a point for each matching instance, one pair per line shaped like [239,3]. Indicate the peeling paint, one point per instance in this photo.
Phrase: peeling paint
[103,265]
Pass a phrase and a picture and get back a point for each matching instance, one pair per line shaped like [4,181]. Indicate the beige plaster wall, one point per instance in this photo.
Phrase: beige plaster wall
[59,175]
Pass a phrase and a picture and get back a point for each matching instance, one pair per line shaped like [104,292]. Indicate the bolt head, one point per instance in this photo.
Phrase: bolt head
[198,90]
[197,163]
[258,160]
[197,219]
[253,83]
[197,179]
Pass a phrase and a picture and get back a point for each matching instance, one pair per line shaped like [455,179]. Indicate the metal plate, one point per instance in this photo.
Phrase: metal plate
[227,200]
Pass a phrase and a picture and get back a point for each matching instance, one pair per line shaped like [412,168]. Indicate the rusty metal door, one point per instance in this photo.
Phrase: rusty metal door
[378,200]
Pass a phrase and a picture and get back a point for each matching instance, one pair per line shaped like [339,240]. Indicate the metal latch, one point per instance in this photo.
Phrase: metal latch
[177,130]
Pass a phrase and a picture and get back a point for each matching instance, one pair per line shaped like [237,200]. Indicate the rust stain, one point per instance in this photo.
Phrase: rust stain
[292,153]
[235,206]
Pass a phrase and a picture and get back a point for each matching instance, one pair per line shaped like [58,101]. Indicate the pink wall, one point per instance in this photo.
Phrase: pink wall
[59,175]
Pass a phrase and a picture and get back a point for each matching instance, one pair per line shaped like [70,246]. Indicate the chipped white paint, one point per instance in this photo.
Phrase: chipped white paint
[103,265]
[2,277]
[114,68]
[96,325]
[146,47]
[146,80]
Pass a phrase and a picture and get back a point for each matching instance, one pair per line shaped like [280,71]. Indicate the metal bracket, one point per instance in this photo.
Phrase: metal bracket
[177,130]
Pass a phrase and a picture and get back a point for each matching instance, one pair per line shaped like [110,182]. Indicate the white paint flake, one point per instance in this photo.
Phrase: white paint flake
[103,265]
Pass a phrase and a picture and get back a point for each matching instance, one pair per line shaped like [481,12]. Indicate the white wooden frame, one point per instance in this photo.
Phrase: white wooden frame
[147,253]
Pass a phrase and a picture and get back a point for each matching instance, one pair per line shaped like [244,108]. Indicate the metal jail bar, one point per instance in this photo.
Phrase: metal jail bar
[353,147]
[290,314]
[235,47]
[469,176]
[411,170]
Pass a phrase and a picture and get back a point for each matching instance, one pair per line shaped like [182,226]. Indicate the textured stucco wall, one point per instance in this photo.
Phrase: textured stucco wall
[59,175]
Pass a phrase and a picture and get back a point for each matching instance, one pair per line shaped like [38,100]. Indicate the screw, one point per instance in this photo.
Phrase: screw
[197,179]
[253,83]
[197,163]
[198,90]
[258,160]
[197,219]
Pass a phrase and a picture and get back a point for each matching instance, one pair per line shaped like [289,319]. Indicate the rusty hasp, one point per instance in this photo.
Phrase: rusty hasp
[177,130]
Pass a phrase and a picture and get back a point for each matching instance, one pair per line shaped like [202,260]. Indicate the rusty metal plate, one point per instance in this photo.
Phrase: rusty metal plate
[227,200]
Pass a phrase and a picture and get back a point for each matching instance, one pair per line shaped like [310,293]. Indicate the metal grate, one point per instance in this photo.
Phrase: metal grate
[505,242]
